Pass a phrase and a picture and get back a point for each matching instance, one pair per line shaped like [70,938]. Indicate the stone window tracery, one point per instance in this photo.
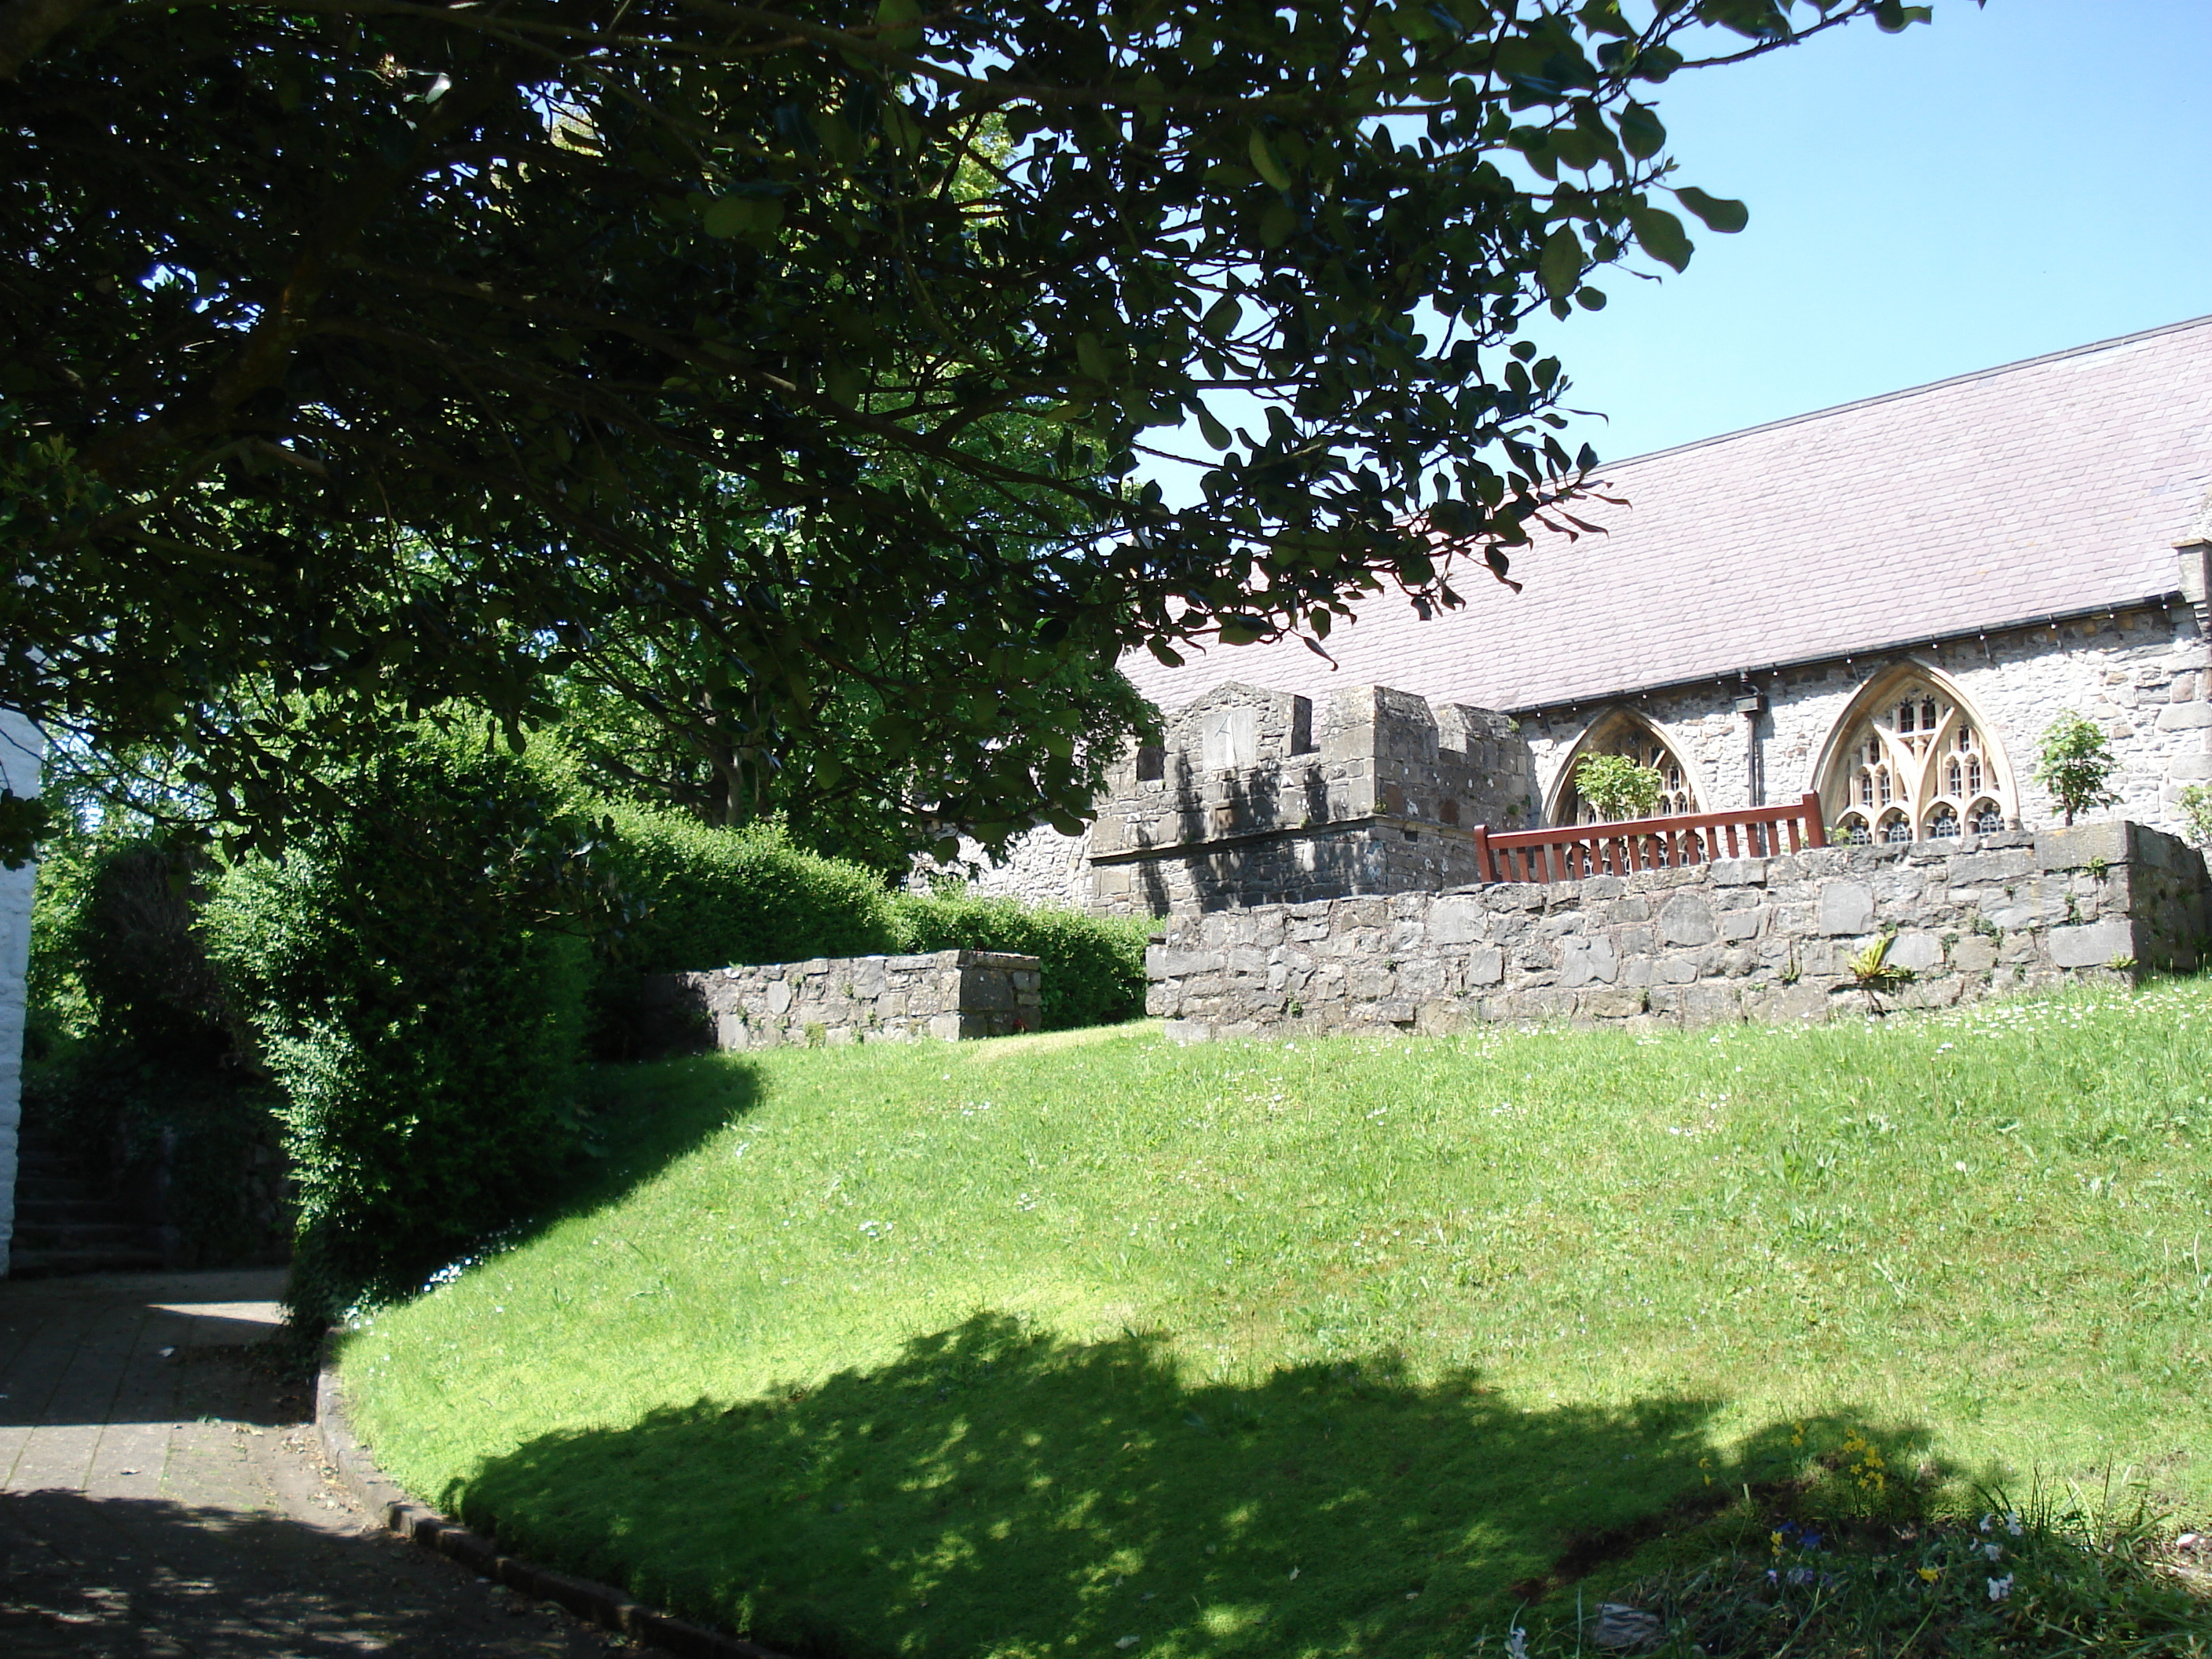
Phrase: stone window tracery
[1622,733]
[1915,765]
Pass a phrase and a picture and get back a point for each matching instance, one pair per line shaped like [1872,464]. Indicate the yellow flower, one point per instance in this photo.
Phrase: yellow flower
[1930,1574]
[1775,1538]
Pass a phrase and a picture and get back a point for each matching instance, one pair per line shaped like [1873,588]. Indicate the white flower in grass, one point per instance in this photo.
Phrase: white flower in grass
[2000,1588]
[1995,1552]
[1516,1643]
[2013,1525]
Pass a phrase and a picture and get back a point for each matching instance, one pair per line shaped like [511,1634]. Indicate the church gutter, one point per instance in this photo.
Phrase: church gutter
[1918,642]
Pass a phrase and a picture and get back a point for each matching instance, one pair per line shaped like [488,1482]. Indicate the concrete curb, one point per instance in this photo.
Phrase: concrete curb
[599,1604]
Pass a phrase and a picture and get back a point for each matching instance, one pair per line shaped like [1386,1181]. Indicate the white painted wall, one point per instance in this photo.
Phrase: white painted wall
[23,748]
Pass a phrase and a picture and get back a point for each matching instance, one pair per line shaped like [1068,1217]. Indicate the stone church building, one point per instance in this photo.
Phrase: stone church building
[1884,604]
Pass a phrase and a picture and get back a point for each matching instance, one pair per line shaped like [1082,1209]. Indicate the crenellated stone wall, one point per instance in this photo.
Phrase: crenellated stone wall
[1258,797]
[833,1000]
[1749,938]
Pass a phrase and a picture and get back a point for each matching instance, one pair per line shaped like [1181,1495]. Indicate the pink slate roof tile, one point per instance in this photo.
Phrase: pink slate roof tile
[2043,487]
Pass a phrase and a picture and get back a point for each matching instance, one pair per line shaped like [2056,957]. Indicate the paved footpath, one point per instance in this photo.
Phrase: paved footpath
[161,1498]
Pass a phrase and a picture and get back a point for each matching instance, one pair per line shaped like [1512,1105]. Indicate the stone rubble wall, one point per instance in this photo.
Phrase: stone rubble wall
[1256,796]
[2142,674]
[1739,940]
[830,1001]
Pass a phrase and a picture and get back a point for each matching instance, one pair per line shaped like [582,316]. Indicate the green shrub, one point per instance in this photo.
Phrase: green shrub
[418,996]
[678,896]
[2197,814]
[695,896]
[1617,787]
[2076,763]
[1093,966]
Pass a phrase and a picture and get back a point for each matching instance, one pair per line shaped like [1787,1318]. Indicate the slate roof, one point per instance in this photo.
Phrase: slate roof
[2045,487]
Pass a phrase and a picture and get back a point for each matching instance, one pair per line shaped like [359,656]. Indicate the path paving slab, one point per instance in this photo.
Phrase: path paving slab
[163,1496]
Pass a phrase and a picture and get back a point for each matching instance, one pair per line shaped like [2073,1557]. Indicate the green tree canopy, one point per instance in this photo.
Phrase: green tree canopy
[394,348]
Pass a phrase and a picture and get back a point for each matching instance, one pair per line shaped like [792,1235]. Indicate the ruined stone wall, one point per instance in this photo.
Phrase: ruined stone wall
[1257,796]
[1749,938]
[833,1000]
[2143,674]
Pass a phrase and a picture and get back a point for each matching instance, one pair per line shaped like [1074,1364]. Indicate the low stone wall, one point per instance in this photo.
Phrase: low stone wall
[946,994]
[1746,938]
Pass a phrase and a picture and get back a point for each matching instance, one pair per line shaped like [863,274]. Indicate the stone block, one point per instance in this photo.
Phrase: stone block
[1368,980]
[2094,946]
[2185,717]
[1801,1004]
[1919,951]
[1610,1005]
[1543,1004]
[2082,844]
[1486,965]
[1846,907]
[1686,918]
[1179,964]
[1457,921]
[986,990]
[1637,941]
[1974,954]
[1703,1002]
[1674,970]
[1422,977]
[1187,1031]
[1583,960]
[1739,925]
[2009,865]
[1739,872]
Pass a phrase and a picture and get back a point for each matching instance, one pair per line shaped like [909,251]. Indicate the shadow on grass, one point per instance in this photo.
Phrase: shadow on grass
[997,1491]
[645,1116]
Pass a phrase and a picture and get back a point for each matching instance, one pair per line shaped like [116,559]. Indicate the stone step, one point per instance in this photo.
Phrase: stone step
[60,1212]
[67,1189]
[80,1236]
[52,1264]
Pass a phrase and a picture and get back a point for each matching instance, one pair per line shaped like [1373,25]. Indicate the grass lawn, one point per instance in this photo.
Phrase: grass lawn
[1094,1344]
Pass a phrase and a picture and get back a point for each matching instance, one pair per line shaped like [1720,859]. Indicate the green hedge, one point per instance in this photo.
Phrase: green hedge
[677,896]
[419,997]
[1093,966]
[691,896]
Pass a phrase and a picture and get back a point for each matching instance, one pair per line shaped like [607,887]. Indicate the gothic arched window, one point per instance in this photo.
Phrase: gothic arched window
[1910,763]
[1622,733]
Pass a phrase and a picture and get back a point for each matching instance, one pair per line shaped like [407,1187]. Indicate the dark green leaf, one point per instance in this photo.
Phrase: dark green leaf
[1718,212]
[1659,235]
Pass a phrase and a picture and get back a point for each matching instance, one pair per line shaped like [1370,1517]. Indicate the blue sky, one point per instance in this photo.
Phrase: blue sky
[2005,181]
[2000,183]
